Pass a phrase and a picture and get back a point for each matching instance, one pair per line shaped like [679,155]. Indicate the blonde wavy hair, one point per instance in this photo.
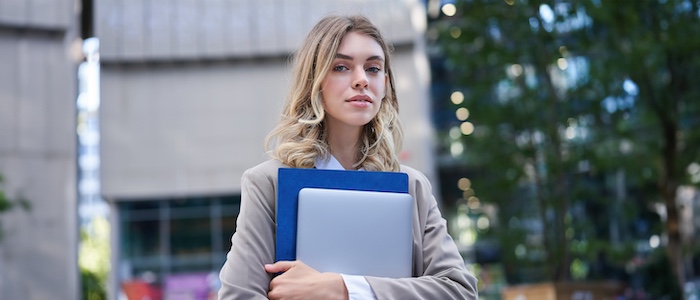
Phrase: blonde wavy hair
[300,136]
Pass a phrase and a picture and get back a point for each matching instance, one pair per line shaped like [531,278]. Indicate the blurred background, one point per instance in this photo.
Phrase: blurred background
[562,138]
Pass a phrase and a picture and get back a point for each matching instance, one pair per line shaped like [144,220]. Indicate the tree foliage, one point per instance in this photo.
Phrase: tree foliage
[585,114]
[94,259]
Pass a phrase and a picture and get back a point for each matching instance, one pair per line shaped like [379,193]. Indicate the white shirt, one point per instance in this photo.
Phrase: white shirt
[358,287]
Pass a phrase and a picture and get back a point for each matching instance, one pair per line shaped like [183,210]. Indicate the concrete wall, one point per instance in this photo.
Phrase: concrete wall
[38,255]
[187,129]
[189,90]
[148,30]
[184,129]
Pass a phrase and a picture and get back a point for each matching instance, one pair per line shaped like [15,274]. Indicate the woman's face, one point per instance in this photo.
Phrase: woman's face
[356,83]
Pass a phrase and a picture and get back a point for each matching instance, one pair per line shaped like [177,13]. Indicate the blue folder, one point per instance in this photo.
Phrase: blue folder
[291,181]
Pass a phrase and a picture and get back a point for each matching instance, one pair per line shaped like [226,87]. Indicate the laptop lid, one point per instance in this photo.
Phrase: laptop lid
[355,232]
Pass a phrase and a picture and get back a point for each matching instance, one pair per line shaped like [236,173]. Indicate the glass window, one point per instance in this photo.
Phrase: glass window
[140,239]
[163,241]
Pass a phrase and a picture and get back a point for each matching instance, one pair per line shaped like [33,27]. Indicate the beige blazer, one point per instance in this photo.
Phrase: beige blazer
[438,269]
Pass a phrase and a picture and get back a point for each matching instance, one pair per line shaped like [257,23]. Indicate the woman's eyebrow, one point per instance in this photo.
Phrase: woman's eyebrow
[348,57]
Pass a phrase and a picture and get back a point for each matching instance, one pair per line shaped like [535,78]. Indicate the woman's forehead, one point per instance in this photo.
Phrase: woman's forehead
[359,46]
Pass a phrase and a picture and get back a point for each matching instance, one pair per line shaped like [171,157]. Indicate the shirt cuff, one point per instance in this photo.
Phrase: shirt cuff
[358,288]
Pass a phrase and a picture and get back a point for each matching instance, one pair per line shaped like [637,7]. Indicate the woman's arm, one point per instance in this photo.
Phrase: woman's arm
[243,275]
[442,274]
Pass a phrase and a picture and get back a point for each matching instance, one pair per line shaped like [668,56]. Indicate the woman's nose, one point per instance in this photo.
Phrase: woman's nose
[360,79]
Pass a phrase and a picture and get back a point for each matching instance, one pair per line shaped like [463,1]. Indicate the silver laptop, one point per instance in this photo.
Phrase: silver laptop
[355,232]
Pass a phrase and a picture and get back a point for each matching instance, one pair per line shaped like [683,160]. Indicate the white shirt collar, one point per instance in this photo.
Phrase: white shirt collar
[329,164]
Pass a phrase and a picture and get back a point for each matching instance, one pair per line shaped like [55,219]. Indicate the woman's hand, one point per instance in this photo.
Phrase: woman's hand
[300,281]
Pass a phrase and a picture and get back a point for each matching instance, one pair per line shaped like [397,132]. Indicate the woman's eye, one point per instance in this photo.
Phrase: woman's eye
[374,70]
[340,68]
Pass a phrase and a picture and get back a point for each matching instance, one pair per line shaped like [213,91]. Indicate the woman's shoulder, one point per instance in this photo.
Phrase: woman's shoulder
[418,183]
[413,174]
[267,169]
[268,166]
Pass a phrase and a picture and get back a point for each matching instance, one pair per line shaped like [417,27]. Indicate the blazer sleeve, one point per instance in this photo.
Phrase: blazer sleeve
[243,274]
[441,274]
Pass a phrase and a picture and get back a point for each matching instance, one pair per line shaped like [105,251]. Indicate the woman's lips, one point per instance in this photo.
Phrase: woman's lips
[360,98]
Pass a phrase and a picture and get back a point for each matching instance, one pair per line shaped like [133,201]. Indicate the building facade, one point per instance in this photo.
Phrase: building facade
[38,88]
[189,90]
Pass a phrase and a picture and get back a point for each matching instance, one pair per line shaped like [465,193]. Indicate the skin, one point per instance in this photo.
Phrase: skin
[352,94]
[358,70]
[300,281]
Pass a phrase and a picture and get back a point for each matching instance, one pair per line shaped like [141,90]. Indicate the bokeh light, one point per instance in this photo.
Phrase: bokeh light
[562,64]
[457,97]
[449,9]
[462,113]
[654,241]
[467,128]
[456,148]
[464,183]
[483,223]
[468,193]
[473,203]
[455,32]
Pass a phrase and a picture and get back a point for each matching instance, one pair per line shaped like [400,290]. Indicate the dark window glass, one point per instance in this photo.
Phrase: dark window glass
[140,239]
[161,238]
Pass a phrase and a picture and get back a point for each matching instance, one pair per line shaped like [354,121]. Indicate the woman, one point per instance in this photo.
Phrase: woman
[342,113]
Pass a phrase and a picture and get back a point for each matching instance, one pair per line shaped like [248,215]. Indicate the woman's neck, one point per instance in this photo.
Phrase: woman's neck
[343,145]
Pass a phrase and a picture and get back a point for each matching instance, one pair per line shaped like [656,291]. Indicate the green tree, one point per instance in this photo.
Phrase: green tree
[654,45]
[564,95]
[94,259]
